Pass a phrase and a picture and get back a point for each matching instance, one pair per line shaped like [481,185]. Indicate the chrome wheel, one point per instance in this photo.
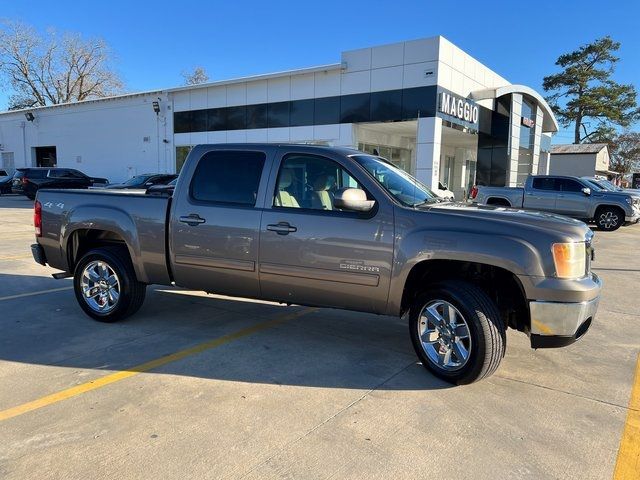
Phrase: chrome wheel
[444,335]
[100,286]
[608,220]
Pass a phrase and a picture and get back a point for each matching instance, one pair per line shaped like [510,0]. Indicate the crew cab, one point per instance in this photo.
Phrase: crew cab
[330,227]
[571,196]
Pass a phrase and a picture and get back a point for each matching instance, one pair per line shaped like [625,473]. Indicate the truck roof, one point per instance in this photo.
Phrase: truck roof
[345,150]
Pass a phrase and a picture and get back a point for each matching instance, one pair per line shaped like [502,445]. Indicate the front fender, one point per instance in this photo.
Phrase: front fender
[515,255]
[111,219]
[626,208]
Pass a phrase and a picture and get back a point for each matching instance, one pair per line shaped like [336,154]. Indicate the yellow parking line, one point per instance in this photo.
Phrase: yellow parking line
[38,292]
[145,367]
[628,462]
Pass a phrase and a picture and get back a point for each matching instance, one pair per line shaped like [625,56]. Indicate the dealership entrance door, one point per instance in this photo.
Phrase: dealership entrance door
[458,160]
[46,157]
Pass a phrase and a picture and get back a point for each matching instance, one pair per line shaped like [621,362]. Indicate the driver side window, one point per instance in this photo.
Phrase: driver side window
[310,182]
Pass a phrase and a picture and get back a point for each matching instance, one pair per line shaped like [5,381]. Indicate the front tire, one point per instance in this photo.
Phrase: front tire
[106,286]
[609,218]
[457,332]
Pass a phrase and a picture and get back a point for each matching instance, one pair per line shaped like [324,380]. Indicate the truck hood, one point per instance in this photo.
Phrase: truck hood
[549,222]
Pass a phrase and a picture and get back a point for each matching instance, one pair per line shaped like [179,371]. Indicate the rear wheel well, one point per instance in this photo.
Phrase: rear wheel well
[502,286]
[83,240]
[502,202]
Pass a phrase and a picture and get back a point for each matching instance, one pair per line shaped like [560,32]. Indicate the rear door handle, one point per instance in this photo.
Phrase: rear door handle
[192,219]
[282,228]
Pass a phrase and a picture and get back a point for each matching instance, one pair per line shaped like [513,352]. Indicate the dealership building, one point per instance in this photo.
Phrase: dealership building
[425,105]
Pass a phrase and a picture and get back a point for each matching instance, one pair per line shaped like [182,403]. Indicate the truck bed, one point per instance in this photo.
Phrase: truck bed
[489,195]
[139,220]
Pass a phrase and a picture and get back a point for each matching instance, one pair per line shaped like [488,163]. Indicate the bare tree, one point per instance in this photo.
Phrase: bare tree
[46,69]
[625,152]
[197,76]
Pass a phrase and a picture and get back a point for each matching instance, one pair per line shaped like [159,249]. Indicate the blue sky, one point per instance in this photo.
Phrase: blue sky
[155,41]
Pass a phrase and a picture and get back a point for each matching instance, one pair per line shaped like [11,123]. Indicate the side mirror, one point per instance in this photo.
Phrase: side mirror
[586,191]
[353,199]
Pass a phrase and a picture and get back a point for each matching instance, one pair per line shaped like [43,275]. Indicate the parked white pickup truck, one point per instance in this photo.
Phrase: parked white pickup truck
[570,196]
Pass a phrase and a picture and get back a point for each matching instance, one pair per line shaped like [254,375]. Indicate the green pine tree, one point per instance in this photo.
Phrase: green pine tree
[583,93]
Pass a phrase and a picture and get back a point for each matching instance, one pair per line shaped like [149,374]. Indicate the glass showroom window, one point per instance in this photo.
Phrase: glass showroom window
[181,155]
[446,172]
[400,157]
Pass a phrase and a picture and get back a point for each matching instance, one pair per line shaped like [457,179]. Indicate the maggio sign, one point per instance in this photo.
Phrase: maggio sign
[458,107]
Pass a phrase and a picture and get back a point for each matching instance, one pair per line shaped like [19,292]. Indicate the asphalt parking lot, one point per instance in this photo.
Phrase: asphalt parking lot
[199,386]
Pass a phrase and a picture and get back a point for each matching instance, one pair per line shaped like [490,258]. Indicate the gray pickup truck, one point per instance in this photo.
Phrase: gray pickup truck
[571,196]
[330,227]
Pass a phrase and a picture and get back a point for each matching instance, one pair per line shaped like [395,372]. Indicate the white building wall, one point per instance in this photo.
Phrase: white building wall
[461,73]
[114,138]
[428,150]
[120,137]
[602,160]
[580,165]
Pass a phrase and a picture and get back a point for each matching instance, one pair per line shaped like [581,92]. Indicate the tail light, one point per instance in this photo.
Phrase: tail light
[474,191]
[37,218]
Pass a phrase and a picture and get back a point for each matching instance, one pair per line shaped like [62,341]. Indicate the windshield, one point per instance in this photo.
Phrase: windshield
[609,186]
[137,180]
[594,184]
[402,186]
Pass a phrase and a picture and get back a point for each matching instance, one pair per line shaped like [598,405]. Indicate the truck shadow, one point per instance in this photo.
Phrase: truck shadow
[318,348]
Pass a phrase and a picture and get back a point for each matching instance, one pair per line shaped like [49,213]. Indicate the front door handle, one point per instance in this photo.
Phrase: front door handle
[192,219]
[282,228]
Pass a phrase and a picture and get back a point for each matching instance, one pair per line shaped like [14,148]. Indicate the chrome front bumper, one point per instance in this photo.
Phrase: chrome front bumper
[556,324]
[632,219]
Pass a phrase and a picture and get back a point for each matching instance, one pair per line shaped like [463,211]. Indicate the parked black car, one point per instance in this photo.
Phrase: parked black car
[5,182]
[164,190]
[28,181]
[145,180]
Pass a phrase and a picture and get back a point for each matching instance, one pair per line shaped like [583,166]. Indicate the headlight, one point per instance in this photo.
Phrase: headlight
[570,259]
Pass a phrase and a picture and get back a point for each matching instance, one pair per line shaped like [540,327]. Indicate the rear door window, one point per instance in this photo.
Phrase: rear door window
[569,185]
[230,177]
[544,183]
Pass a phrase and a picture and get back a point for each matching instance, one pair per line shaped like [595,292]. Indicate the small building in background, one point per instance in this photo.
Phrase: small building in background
[581,160]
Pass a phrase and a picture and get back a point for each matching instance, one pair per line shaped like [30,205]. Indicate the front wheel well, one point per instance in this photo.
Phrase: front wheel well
[83,240]
[502,286]
[599,208]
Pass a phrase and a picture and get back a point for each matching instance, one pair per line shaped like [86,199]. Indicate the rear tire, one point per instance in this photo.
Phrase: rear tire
[609,219]
[471,332]
[106,285]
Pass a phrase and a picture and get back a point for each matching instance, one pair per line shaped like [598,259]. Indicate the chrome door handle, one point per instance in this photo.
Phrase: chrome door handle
[282,228]
[192,219]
